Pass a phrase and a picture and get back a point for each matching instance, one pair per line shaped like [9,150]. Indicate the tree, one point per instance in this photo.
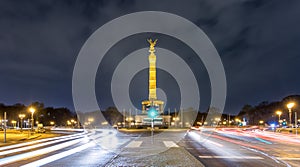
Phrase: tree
[112,115]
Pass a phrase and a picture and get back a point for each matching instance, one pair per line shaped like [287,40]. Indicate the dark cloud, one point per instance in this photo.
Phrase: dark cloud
[258,42]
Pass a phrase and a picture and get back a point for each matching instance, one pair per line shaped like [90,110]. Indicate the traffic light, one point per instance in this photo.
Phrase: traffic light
[152,112]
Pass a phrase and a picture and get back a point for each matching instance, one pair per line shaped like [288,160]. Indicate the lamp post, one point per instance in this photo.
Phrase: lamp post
[72,121]
[279,114]
[217,120]
[14,123]
[261,123]
[237,121]
[290,106]
[175,119]
[21,116]
[32,110]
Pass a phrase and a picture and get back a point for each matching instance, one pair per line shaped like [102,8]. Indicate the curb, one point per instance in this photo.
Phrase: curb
[30,138]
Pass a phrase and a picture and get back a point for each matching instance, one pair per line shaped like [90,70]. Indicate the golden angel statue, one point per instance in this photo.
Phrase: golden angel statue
[152,44]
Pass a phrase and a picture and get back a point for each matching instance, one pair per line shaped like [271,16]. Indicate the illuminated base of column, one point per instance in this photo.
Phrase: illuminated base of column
[155,103]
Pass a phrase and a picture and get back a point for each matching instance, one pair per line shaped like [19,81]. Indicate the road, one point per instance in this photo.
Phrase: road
[237,147]
[206,147]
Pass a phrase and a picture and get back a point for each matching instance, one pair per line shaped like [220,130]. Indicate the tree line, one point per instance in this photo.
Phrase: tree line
[266,111]
[44,115]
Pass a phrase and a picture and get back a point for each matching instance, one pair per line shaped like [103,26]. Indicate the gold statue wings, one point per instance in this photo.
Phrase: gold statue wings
[152,44]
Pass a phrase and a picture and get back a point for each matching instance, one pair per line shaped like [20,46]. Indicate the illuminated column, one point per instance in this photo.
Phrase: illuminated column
[152,71]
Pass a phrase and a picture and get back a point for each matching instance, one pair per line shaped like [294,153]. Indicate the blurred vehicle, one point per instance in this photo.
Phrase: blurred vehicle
[40,130]
[198,128]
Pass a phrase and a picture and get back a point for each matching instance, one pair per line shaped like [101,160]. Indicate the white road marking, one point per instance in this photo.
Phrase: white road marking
[82,137]
[37,145]
[59,156]
[64,154]
[289,158]
[170,144]
[231,157]
[39,141]
[46,150]
[134,144]
[217,144]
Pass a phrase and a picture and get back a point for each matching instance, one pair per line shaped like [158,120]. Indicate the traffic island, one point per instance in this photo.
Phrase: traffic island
[172,157]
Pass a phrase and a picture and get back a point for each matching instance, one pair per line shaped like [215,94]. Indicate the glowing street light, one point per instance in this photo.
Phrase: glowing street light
[14,123]
[21,116]
[290,106]
[279,114]
[32,110]
[217,120]
[91,120]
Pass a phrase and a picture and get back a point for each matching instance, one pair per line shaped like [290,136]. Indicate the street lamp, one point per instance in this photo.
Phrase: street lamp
[14,123]
[21,116]
[32,110]
[217,120]
[290,106]
[279,114]
[52,123]
[72,122]
[91,120]
[175,119]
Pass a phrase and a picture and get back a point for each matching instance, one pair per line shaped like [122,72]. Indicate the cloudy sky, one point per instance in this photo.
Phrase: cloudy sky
[258,42]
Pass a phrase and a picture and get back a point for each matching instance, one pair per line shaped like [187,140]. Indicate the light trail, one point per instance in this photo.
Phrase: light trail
[235,142]
[60,155]
[262,136]
[262,140]
[231,157]
[43,151]
[37,145]
[39,141]
[27,155]
[221,151]
[70,152]
[278,161]
[217,144]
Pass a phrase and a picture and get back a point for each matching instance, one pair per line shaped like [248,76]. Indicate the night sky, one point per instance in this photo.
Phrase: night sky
[257,40]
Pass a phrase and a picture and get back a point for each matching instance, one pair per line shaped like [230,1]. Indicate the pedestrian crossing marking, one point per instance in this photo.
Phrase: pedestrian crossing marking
[170,144]
[134,144]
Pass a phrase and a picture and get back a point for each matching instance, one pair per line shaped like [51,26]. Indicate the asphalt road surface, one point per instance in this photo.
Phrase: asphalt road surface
[202,147]
[239,148]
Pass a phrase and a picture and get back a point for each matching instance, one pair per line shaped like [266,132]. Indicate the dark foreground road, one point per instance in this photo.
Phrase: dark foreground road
[208,147]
